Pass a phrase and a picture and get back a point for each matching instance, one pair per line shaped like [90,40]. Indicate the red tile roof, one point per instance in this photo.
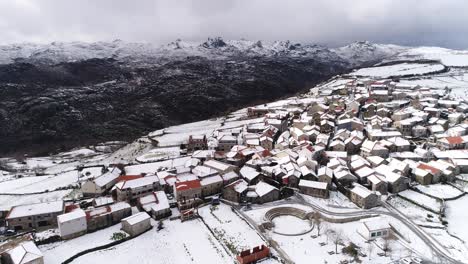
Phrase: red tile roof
[454,140]
[187,185]
[426,167]
[128,177]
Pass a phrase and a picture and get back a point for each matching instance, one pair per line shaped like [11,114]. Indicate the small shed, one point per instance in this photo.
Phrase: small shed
[136,224]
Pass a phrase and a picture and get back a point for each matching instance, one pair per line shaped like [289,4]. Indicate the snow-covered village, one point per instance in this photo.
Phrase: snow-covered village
[367,167]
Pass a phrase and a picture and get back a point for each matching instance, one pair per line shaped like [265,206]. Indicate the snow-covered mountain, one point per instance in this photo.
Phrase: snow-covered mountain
[57,52]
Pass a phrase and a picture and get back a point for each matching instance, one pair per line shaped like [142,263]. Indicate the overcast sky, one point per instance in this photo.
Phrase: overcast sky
[332,22]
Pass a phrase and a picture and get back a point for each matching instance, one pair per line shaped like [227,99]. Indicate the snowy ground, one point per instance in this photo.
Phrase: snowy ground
[187,242]
[422,199]
[457,216]
[229,228]
[39,184]
[401,69]
[159,154]
[454,245]
[60,251]
[416,213]
[442,191]
[456,58]
[154,166]
[8,201]
[302,248]
[288,224]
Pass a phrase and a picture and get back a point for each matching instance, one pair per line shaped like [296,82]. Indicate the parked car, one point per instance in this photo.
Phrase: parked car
[406,261]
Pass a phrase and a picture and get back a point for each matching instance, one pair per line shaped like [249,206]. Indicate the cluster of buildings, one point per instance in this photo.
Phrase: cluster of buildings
[364,138]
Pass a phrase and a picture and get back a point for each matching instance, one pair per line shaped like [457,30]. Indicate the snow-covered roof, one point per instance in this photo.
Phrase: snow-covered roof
[313,184]
[211,180]
[361,191]
[136,218]
[135,183]
[26,252]
[249,173]
[73,215]
[239,186]
[376,224]
[217,165]
[108,177]
[263,188]
[35,209]
[162,203]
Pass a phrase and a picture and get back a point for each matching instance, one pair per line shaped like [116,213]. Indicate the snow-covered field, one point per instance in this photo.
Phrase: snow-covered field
[39,184]
[154,166]
[401,69]
[456,247]
[60,251]
[443,191]
[230,228]
[422,199]
[187,242]
[8,201]
[457,216]
[455,58]
[159,154]
[416,213]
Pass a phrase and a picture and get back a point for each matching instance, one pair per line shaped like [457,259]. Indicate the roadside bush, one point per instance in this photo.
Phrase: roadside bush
[118,236]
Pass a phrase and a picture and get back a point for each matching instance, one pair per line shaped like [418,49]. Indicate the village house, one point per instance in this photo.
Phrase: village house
[235,192]
[72,224]
[135,188]
[24,253]
[197,142]
[136,224]
[211,185]
[378,184]
[452,142]
[219,166]
[436,173]
[262,192]
[423,177]
[226,142]
[375,228]
[325,174]
[103,183]
[188,193]
[372,148]
[257,111]
[314,188]
[102,217]
[156,204]
[251,175]
[363,197]
[34,216]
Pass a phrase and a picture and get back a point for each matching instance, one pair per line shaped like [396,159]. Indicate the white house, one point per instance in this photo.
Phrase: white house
[24,253]
[375,228]
[72,224]
[136,224]
[102,183]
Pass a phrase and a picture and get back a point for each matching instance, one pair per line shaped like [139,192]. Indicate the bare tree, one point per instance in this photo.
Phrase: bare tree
[337,238]
[318,224]
[370,249]
[386,244]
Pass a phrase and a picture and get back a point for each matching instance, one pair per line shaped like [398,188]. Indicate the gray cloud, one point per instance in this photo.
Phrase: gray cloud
[332,22]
